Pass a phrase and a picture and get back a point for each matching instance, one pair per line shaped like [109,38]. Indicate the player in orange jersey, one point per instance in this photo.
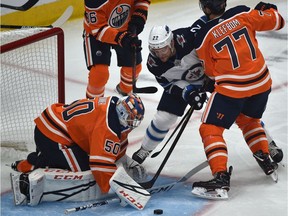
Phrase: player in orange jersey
[229,52]
[116,25]
[88,134]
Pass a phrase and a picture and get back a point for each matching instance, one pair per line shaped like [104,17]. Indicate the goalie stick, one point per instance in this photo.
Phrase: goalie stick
[59,22]
[149,184]
[24,7]
[154,190]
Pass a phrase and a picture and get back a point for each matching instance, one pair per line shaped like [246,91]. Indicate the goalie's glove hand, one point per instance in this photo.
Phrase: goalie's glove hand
[137,21]
[128,40]
[265,6]
[194,97]
[136,171]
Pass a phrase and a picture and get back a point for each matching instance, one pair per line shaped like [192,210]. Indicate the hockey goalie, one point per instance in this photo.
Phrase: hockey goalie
[81,154]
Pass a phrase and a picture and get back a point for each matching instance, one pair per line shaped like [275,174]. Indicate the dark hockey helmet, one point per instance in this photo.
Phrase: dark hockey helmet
[130,110]
[216,6]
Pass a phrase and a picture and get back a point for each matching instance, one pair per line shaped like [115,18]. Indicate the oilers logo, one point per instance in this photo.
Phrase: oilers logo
[119,16]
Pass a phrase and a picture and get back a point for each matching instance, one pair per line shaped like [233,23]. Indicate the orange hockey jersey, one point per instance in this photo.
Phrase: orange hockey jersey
[104,18]
[94,126]
[229,51]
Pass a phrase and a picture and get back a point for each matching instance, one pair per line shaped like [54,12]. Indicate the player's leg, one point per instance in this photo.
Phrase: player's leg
[168,110]
[275,152]
[98,57]
[219,114]
[53,155]
[124,59]
[253,132]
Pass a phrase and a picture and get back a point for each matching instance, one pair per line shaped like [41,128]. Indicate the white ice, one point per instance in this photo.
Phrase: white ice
[252,192]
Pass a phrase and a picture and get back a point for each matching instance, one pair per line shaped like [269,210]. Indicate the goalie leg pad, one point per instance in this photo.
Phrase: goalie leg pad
[128,190]
[17,185]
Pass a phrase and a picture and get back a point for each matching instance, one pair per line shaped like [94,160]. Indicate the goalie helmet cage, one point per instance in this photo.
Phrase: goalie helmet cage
[32,78]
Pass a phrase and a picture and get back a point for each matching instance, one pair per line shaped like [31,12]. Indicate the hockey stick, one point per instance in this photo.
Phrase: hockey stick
[167,187]
[26,6]
[147,90]
[149,184]
[157,189]
[59,22]
[177,127]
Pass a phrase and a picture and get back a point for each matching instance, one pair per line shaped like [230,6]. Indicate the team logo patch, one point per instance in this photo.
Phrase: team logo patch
[119,15]
[180,40]
[98,53]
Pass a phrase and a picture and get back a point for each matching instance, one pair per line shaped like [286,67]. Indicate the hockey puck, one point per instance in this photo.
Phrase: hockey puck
[158,211]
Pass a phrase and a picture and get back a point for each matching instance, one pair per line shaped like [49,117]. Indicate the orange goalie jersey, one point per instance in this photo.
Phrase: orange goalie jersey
[94,126]
[229,50]
[104,18]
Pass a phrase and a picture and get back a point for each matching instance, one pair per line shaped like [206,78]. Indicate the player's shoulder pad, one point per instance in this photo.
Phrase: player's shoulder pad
[235,10]
[95,4]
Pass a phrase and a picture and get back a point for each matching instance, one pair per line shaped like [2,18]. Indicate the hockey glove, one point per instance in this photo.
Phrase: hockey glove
[137,21]
[194,97]
[265,6]
[127,40]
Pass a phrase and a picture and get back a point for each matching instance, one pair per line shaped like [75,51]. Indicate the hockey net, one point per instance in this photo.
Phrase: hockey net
[32,78]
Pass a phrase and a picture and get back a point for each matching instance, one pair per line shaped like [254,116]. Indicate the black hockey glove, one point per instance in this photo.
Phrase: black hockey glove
[194,97]
[128,40]
[265,6]
[137,21]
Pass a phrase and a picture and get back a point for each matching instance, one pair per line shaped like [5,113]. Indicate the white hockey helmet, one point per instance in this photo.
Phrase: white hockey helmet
[130,110]
[159,37]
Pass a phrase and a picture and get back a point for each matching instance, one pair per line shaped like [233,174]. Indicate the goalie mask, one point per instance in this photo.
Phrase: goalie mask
[130,111]
[161,41]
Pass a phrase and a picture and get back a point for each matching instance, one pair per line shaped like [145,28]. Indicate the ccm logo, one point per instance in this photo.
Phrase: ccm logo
[68,177]
[131,199]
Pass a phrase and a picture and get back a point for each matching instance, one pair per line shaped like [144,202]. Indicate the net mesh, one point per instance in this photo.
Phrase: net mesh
[29,83]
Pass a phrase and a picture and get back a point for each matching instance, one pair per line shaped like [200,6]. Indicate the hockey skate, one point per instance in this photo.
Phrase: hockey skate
[140,155]
[20,187]
[275,152]
[268,166]
[216,188]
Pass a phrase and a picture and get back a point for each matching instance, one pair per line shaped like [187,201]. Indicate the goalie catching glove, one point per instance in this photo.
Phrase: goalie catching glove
[194,97]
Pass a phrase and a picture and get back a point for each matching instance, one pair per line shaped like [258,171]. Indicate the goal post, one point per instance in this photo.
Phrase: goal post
[32,78]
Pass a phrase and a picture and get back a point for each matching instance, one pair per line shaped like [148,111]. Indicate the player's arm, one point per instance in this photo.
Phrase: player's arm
[265,17]
[139,16]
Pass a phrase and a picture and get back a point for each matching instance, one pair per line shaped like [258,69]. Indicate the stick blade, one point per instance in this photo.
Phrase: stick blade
[64,17]
[146,90]
[25,7]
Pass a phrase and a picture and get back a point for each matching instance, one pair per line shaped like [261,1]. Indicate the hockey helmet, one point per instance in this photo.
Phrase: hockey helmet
[216,6]
[130,110]
[159,37]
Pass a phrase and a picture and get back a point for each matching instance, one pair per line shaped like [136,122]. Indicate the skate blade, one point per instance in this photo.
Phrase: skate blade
[217,194]
[19,198]
[274,176]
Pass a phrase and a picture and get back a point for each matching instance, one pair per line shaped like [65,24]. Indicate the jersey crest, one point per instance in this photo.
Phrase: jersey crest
[119,15]
[180,40]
